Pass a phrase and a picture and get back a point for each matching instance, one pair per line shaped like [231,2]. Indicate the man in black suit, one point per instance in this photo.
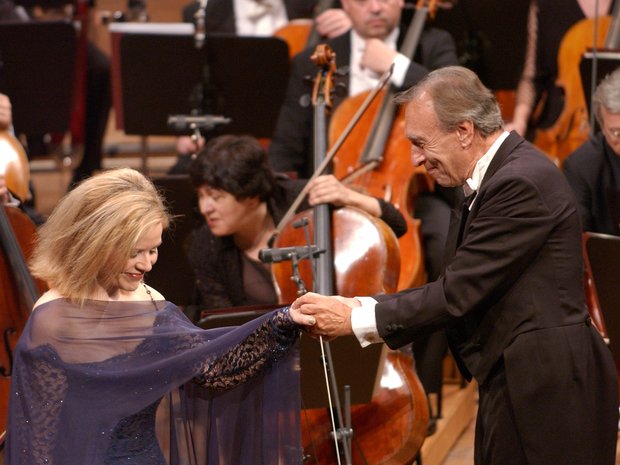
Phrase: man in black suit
[511,296]
[593,170]
[374,39]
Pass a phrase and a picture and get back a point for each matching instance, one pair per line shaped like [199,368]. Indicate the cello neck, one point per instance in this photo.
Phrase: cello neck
[612,41]
[321,98]
[314,37]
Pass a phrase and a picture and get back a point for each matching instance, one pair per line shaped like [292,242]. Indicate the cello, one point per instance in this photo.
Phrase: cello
[20,291]
[383,168]
[572,127]
[391,428]
[302,33]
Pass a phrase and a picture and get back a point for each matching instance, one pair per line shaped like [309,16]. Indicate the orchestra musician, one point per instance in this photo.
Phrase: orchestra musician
[593,170]
[367,50]
[548,22]
[511,297]
[242,201]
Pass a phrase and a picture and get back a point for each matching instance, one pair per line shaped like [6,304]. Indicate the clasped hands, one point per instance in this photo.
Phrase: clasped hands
[324,316]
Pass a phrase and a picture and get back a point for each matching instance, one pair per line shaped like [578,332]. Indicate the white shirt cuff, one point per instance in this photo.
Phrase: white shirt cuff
[364,323]
[401,65]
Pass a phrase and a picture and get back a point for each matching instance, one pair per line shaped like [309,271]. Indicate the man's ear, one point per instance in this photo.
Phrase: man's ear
[465,133]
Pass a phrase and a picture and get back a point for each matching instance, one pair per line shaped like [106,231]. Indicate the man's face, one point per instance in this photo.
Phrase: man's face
[441,153]
[373,18]
[611,129]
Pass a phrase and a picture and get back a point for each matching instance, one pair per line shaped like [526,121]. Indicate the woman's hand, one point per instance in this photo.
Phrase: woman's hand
[327,189]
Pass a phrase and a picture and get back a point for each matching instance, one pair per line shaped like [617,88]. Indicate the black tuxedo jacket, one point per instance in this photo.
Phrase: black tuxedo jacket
[512,299]
[291,145]
[220,14]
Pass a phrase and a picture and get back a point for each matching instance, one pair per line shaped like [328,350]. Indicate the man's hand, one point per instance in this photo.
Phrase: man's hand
[332,314]
[377,56]
[332,22]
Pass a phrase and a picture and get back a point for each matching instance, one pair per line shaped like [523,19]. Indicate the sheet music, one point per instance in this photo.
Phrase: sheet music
[153,28]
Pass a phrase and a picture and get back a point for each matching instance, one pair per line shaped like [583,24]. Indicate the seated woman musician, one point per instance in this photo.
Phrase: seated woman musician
[242,200]
[101,349]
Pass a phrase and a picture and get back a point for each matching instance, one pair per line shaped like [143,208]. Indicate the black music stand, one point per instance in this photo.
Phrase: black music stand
[353,365]
[173,275]
[37,73]
[606,62]
[162,74]
[603,253]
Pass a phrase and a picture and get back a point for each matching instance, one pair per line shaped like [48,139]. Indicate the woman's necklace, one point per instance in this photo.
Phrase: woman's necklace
[148,291]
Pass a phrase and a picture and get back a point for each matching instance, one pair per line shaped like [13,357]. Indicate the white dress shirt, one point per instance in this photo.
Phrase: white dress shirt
[259,17]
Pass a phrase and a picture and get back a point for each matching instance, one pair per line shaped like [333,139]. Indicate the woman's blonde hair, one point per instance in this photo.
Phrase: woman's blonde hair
[88,238]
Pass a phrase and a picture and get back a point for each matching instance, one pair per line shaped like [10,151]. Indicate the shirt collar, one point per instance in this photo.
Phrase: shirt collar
[472,184]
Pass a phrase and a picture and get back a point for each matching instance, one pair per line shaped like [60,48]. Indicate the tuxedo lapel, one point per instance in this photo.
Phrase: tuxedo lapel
[461,215]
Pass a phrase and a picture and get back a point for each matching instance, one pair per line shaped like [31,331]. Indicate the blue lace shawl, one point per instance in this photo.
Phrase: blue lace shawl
[88,384]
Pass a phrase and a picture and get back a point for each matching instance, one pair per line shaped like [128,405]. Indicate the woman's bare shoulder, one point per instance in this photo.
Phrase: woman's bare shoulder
[47,296]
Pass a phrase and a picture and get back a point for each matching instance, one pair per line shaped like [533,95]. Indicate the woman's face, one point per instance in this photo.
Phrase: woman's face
[224,214]
[141,261]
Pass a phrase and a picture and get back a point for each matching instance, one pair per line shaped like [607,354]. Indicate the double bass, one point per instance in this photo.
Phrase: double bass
[391,428]
[20,290]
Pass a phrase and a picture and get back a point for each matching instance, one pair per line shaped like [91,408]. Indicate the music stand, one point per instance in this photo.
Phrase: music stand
[606,62]
[603,251]
[37,73]
[353,365]
[173,275]
[161,72]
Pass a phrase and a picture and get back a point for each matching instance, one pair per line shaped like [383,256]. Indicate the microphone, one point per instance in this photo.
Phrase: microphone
[203,122]
[286,253]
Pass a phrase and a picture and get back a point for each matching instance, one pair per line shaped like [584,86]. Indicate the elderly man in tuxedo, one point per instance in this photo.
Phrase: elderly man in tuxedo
[511,296]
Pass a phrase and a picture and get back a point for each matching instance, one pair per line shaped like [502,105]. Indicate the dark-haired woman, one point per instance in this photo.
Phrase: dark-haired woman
[242,201]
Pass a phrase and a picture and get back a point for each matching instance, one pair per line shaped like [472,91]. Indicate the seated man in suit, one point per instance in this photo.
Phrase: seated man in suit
[593,170]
